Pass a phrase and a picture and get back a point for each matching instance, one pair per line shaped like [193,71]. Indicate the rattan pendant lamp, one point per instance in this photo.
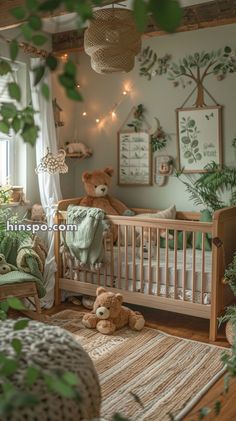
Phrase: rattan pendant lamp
[112,40]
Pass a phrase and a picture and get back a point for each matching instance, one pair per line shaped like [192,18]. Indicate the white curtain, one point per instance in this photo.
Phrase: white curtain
[49,185]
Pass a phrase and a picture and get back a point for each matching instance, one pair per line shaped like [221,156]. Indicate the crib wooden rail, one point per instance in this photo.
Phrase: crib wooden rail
[178,274]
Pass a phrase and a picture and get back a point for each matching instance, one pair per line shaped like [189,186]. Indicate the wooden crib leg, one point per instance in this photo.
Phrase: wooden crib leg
[213,329]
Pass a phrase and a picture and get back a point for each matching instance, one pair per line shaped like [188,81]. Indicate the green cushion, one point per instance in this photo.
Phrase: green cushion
[206,216]
[20,277]
[179,240]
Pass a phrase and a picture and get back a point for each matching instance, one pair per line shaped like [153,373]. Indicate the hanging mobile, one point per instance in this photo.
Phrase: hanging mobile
[53,163]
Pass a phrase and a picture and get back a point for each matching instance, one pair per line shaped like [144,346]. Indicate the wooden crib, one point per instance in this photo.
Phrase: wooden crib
[179,279]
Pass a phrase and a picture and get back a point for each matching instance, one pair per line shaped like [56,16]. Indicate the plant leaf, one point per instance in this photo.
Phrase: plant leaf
[45,91]
[167,13]
[51,62]
[14,48]
[18,12]
[39,39]
[16,345]
[4,127]
[31,375]
[35,22]
[15,303]
[74,94]
[140,14]
[38,74]
[21,324]
[14,91]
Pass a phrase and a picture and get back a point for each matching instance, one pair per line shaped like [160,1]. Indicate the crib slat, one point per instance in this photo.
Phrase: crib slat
[112,261]
[158,263]
[149,261]
[175,264]
[167,263]
[203,268]
[105,267]
[184,264]
[141,260]
[126,259]
[133,258]
[193,266]
[119,258]
[99,277]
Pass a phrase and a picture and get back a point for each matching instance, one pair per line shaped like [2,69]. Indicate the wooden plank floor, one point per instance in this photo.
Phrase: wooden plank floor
[190,328]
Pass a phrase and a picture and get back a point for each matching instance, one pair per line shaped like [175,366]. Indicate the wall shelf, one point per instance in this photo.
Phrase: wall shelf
[76,155]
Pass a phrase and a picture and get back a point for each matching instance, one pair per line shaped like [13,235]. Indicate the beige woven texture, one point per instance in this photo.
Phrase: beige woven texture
[112,41]
[50,349]
[165,372]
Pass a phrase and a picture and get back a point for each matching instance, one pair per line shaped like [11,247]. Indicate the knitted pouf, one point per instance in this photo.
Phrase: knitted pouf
[50,348]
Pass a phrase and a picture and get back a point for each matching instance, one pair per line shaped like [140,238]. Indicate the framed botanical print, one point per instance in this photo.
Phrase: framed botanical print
[199,138]
[134,159]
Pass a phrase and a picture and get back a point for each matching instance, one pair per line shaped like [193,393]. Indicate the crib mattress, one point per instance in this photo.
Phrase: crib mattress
[158,278]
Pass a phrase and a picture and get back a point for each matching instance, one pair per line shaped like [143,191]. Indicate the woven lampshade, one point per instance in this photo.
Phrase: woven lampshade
[112,41]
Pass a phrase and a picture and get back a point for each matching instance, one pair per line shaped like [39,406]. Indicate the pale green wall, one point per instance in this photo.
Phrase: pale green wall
[159,97]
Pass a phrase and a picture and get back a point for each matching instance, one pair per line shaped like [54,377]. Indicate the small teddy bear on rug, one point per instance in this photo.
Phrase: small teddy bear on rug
[109,315]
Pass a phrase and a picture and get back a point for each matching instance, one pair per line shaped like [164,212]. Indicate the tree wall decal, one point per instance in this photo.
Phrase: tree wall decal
[197,67]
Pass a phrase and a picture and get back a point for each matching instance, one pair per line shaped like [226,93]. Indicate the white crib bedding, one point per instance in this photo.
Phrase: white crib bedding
[202,287]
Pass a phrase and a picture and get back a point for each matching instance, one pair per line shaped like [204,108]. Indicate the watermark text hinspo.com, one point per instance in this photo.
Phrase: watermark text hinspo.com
[40,227]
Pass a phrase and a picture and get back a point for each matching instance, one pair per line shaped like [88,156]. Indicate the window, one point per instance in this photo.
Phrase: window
[7,143]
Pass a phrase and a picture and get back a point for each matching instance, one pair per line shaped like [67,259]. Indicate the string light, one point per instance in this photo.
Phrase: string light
[101,119]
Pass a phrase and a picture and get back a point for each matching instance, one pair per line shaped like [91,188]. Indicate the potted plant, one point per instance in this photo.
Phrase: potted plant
[230,315]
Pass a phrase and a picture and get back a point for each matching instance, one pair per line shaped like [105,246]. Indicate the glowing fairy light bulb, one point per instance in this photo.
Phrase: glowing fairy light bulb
[84,114]
[97,120]
[125,92]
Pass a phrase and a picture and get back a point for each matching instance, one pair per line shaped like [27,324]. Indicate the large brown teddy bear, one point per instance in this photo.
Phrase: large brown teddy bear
[108,314]
[96,185]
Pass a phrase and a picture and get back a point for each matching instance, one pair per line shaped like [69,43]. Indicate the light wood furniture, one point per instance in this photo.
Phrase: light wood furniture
[23,290]
[223,232]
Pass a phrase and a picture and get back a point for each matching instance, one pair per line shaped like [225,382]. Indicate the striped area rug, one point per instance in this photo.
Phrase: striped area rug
[168,374]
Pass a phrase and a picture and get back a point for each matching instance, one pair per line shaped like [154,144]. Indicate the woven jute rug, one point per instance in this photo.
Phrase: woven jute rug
[146,375]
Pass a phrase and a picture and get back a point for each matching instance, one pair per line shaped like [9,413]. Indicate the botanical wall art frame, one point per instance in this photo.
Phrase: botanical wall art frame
[199,138]
[134,159]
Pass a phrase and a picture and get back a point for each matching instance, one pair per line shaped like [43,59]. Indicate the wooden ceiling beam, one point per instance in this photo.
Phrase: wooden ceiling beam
[200,16]
[8,21]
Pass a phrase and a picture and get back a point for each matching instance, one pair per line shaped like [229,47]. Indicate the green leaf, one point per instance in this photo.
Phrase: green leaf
[187,154]
[8,110]
[45,91]
[74,94]
[15,303]
[14,48]
[21,324]
[140,14]
[38,74]
[4,127]
[30,133]
[32,5]
[26,32]
[4,68]
[227,50]
[66,81]
[31,375]
[9,367]
[51,62]
[70,68]
[16,345]
[16,124]
[39,39]
[14,91]
[18,12]
[58,386]
[70,378]
[49,5]
[35,22]
[4,306]
[167,13]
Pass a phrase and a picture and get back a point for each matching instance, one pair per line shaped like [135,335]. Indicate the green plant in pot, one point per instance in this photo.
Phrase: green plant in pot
[230,314]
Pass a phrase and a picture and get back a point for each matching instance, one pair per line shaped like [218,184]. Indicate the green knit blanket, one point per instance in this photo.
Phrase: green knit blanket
[10,247]
[86,242]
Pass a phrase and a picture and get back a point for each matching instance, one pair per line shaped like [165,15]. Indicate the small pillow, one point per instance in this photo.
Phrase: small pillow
[206,216]
[169,213]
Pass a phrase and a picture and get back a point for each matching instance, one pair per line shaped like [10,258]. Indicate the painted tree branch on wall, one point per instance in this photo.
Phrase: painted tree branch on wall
[197,67]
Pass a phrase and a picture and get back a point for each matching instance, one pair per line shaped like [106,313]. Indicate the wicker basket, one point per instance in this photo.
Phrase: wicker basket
[112,41]
[229,332]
